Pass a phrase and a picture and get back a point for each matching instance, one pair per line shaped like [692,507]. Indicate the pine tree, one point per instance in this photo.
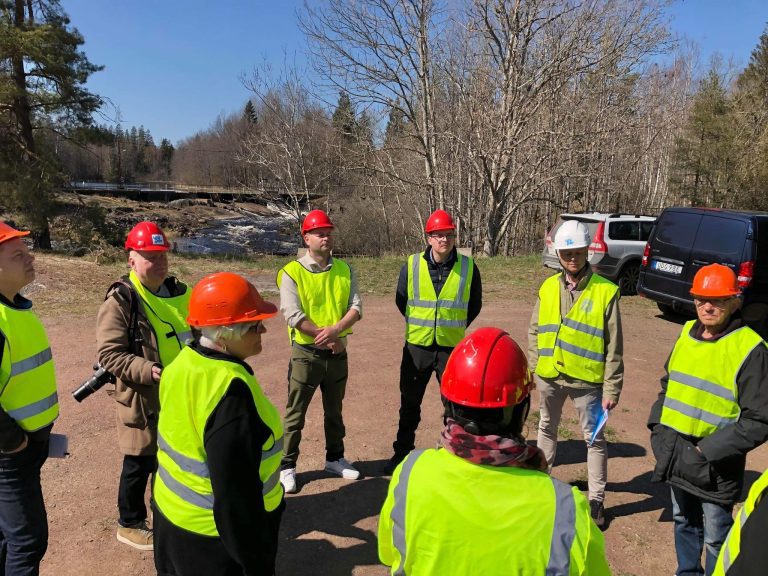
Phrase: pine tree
[249,113]
[344,119]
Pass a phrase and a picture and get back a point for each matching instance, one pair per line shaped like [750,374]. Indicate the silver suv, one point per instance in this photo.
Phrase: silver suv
[618,241]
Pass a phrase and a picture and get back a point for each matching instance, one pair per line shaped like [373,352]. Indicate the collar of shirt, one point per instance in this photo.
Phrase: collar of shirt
[448,262]
[581,281]
[19,302]
[309,263]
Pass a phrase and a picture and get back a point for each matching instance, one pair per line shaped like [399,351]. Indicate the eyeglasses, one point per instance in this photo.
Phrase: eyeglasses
[255,327]
[442,235]
[716,302]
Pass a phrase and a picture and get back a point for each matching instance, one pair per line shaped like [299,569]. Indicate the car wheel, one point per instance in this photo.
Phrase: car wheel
[628,279]
[666,309]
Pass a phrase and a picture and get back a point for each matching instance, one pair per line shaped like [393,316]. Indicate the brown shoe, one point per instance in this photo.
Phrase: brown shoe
[137,536]
[597,511]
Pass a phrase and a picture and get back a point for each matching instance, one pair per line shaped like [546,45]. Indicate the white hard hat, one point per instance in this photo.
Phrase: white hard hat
[572,234]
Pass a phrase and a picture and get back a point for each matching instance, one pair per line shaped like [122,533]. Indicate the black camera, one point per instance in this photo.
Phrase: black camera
[99,378]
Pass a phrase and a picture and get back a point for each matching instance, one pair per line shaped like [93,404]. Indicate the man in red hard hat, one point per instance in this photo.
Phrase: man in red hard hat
[711,411]
[440,293]
[320,302]
[140,328]
[28,407]
[483,503]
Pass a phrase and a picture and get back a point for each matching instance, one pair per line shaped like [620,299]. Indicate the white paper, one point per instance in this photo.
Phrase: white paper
[58,445]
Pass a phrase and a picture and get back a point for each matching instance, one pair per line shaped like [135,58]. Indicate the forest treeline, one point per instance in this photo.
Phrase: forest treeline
[504,112]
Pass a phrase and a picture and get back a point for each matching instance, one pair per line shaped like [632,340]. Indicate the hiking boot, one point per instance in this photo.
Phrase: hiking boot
[137,536]
[597,511]
[342,468]
[389,468]
[288,480]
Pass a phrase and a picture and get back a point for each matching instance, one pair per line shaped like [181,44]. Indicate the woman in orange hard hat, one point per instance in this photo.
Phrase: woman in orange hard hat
[217,495]
[711,411]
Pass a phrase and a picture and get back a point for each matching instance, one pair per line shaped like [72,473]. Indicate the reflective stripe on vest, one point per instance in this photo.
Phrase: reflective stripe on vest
[182,487]
[574,345]
[324,296]
[27,375]
[563,532]
[702,393]
[168,318]
[440,318]
[732,546]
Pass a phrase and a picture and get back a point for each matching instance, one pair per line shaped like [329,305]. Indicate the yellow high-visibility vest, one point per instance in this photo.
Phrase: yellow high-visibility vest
[190,389]
[324,296]
[444,515]
[27,376]
[574,345]
[732,546]
[440,318]
[168,317]
[702,394]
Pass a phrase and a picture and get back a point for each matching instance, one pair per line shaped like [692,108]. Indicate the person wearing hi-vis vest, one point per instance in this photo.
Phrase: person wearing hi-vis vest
[744,552]
[711,411]
[217,497]
[483,503]
[575,348]
[28,407]
[320,302]
[439,293]
[140,328]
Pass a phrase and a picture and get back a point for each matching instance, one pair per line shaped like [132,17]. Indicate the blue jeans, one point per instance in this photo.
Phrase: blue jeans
[699,526]
[23,521]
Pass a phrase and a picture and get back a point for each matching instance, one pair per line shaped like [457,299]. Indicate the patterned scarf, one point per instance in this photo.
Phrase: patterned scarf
[491,450]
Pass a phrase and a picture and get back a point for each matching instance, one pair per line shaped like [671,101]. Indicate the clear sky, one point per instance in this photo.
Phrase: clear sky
[174,65]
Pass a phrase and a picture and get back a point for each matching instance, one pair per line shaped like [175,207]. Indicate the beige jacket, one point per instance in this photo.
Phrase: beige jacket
[613,379]
[136,393]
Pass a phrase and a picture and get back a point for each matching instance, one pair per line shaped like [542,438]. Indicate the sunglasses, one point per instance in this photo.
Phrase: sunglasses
[255,327]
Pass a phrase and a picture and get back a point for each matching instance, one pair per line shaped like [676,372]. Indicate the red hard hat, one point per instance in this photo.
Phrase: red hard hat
[147,237]
[715,281]
[226,298]
[9,233]
[314,220]
[487,369]
[439,220]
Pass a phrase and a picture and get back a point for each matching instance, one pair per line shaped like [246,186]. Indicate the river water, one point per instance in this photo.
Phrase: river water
[249,233]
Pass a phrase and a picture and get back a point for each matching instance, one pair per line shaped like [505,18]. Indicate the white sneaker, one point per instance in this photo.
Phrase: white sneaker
[342,468]
[288,480]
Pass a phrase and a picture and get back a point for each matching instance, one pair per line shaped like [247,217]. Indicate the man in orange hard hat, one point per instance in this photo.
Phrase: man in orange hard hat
[711,411]
[320,301]
[440,293]
[483,502]
[140,328]
[28,407]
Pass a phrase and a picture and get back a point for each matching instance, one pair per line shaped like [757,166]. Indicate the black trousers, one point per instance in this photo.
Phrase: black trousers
[133,487]
[416,368]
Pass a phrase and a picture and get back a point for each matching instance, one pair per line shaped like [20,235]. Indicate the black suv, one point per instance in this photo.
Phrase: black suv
[685,239]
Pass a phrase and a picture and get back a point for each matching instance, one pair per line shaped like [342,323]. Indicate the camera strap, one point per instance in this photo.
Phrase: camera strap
[125,290]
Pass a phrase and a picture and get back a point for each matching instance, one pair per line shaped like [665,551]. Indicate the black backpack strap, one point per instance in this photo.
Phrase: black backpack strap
[126,290]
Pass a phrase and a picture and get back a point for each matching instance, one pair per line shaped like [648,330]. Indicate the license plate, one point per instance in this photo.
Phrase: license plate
[667,267]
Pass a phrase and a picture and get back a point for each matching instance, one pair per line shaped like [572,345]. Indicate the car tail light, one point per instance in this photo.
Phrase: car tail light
[746,271]
[598,242]
[646,254]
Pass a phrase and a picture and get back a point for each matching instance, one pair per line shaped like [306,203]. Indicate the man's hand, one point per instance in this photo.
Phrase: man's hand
[157,370]
[609,404]
[337,346]
[326,335]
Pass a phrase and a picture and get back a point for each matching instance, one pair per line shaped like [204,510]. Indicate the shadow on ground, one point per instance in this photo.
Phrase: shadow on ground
[313,524]
[575,451]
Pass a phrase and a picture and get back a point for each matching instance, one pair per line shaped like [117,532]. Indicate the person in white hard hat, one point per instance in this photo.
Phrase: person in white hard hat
[575,349]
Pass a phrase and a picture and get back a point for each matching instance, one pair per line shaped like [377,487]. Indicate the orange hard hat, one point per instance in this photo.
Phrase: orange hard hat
[147,237]
[487,369]
[226,298]
[9,233]
[439,220]
[314,220]
[716,281]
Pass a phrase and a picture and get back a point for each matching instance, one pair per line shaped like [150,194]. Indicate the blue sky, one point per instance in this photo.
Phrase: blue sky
[175,65]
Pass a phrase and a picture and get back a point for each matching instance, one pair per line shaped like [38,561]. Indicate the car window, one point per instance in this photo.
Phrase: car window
[645,230]
[762,239]
[677,228]
[624,230]
[721,236]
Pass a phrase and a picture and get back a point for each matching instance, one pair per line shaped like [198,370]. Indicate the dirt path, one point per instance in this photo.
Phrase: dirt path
[329,527]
